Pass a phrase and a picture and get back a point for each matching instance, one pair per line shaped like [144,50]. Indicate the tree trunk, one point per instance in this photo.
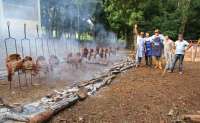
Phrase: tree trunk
[185,6]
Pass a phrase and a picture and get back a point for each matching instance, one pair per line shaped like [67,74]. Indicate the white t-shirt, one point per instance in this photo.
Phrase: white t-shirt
[181,46]
[139,40]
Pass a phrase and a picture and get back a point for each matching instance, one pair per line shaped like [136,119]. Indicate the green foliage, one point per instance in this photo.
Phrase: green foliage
[170,16]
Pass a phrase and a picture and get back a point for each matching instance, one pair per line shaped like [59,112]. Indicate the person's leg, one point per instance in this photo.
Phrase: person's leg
[146,59]
[174,62]
[150,61]
[139,60]
[181,58]
[153,60]
[160,63]
[167,61]
[170,61]
[156,61]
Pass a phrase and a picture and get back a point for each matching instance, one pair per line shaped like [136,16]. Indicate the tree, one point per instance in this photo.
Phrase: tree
[170,16]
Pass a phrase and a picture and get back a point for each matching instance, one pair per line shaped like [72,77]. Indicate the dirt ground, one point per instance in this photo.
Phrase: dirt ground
[140,96]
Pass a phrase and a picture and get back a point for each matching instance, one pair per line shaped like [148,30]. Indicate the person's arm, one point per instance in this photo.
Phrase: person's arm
[174,47]
[198,43]
[145,46]
[136,29]
[162,37]
[189,45]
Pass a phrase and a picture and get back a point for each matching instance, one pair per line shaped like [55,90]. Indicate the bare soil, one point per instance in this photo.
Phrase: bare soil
[140,96]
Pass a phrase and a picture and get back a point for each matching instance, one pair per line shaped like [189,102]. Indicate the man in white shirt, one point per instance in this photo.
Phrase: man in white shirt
[181,46]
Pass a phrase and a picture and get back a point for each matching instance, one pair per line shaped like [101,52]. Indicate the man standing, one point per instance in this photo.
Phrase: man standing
[181,46]
[168,52]
[157,49]
[140,46]
[148,50]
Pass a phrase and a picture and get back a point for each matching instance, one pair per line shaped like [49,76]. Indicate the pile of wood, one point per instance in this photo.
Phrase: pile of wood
[51,104]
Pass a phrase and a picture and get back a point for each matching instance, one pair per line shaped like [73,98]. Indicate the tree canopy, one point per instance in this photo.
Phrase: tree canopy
[170,16]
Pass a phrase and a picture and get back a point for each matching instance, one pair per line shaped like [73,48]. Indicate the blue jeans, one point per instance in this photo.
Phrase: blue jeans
[180,58]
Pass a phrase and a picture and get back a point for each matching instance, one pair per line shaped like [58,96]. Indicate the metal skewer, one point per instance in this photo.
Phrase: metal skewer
[16,51]
[30,50]
[38,37]
[22,47]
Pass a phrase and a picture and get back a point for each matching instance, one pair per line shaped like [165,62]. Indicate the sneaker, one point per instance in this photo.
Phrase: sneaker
[180,73]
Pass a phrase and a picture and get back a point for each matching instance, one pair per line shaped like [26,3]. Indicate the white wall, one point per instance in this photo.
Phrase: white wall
[16,28]
[16,24]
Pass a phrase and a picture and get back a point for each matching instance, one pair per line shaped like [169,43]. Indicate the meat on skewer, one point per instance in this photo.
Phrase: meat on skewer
[15,63]
[85,52]
[42,65]
[90,54]
[53,62]
[74,60]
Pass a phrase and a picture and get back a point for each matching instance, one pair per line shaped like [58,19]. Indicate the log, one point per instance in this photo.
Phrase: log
[126,67]
[109,79]
[115,72]
[9,115]
[192,118]
[41,117]
[92,81]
